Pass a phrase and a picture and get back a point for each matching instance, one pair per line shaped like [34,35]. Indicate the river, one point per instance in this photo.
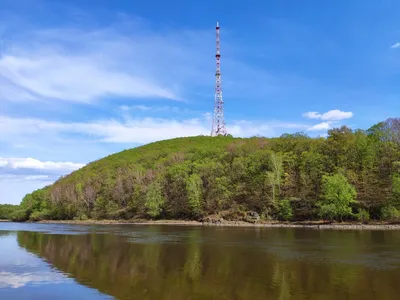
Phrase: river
[59,261]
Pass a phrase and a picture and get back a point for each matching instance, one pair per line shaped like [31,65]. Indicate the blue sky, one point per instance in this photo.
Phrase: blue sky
[82,79]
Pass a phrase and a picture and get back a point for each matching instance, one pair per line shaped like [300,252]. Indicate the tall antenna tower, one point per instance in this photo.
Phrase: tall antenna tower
[218,123]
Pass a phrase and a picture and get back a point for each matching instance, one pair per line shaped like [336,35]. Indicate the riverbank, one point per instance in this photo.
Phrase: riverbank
[312,225]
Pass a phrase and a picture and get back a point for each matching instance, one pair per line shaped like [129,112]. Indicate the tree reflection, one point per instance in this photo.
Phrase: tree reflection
[208,263]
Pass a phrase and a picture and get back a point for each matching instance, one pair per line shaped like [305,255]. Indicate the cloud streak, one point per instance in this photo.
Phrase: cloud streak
[395,45]
[138,130]
[84,77]
[35,164]
[332,115]
[134,62]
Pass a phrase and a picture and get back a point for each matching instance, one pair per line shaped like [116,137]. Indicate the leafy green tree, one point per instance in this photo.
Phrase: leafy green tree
[154,200]
[274,177]
[100,208]
[396,190]
[195,197]
[338,194]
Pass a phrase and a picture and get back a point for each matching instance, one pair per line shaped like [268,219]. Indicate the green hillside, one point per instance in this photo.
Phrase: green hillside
[349,175]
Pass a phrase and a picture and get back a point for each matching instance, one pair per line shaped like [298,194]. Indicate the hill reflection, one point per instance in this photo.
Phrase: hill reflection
[212,264]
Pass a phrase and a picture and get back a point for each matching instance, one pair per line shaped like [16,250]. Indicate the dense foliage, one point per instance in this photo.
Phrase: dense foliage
[7,210]
[351,174]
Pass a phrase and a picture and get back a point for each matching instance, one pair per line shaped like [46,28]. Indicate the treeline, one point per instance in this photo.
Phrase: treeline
[7,211]
[350,175]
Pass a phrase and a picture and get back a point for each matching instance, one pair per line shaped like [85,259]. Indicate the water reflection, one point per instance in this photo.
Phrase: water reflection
[17,280]
[25,276]
[208,263]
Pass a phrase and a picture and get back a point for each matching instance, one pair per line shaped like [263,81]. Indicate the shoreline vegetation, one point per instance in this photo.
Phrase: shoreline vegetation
[349,176]
[224,223]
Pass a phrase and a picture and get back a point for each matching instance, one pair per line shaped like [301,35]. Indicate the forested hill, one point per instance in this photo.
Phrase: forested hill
[350,175]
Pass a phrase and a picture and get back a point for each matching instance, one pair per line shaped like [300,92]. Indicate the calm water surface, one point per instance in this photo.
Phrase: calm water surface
[45,261]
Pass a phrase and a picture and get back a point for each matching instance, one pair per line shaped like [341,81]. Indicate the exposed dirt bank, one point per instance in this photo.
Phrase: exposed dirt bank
[224,223]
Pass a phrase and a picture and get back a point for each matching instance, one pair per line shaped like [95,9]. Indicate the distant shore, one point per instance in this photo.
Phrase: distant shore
[313,225]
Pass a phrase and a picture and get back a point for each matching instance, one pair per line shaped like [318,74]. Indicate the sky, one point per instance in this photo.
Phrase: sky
[82,79]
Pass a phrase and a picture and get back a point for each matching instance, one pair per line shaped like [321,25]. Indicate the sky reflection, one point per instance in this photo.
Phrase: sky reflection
[22,273]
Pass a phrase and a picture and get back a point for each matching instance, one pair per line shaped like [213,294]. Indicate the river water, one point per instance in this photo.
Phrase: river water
[56,261]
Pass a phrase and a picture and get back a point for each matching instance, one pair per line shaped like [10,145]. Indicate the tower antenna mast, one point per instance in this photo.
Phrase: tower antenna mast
[218,123]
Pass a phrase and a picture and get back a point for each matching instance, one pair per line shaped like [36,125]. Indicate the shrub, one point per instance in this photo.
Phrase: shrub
[285,211]
[20,215]
[81,216]
[389,213]
[45,214]
[363,215]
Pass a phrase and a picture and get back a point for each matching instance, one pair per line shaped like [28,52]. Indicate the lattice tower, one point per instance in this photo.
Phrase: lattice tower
[218,122]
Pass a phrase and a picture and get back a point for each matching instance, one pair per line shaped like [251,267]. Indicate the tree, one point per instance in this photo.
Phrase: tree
[396,190]
[194,193]
[338,194]
[154,200]
[274,177]
[7,210]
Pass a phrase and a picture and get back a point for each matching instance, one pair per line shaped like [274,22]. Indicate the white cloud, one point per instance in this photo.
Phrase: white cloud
[137,131]
[37,177]
[85,78]
[332,115]
[148,108]
[312,115]
[19,176]
[395,45]
[320,126]
[10,177]
[336,115]
[135,107]
[35,164]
